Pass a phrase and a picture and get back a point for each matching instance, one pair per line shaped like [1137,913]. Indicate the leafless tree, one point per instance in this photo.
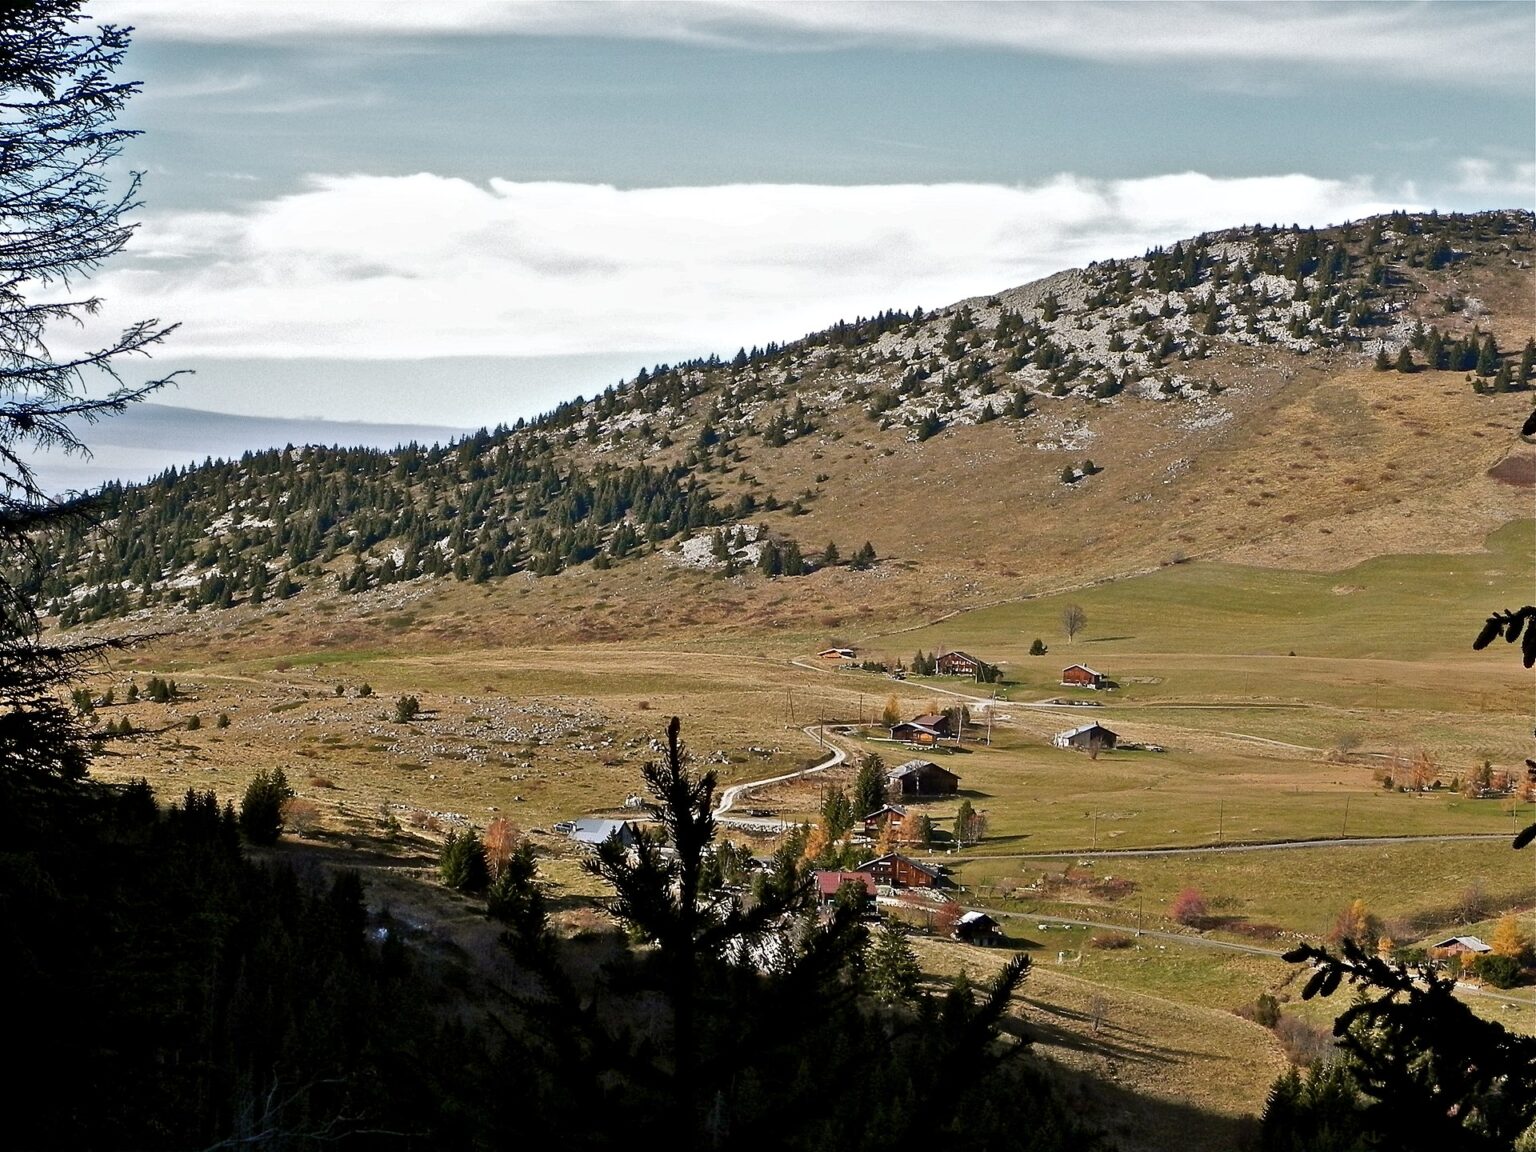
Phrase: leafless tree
[1073,621]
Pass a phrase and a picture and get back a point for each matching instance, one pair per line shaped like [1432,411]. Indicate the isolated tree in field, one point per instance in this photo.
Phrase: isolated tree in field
[1038,648]
[1358,923]
[407,708]
[1073,621]
[261,808]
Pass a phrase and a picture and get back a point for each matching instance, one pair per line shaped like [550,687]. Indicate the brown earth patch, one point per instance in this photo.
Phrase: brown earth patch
[1518,470]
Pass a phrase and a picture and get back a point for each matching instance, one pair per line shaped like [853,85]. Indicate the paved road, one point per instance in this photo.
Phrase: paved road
[1266,846]
[735,792]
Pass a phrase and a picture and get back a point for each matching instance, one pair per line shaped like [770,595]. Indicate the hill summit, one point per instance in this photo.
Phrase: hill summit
[1264,394]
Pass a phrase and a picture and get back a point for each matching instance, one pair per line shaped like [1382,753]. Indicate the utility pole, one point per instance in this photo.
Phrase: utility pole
[1344,831]
[789,695]
[989,723]
[1221,821]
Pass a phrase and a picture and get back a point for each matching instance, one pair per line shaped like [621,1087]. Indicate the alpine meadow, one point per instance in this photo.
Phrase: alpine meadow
[1094,712]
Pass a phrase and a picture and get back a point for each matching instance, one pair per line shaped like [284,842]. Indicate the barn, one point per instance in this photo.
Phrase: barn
[1459,946]
[922,778]
[1088,738]
[1082,676]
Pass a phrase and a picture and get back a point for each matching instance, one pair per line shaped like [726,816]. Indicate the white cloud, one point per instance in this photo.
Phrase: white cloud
[1441,43]
[366,267]
[1492,180]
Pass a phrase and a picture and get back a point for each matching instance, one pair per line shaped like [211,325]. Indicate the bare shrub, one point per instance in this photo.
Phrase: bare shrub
[1111,941]
[1112,888]
[1303,1044]
[321,782]
[1189,908]
[300,815]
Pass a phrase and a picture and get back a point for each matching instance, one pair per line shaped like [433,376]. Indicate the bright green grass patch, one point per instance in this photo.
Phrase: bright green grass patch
[1417,889]
[1043,799]
[1392,607]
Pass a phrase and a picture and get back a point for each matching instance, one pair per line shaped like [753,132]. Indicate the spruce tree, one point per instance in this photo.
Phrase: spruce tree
[891,972]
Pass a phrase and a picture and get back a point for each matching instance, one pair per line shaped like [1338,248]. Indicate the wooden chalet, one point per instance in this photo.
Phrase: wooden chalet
[830,883]
[978,928]
[922,778]
[1088,738]
[892,817]
[957,664]
[900,871]
[929,728]
[837,654]
[1082,676]
[1459,946]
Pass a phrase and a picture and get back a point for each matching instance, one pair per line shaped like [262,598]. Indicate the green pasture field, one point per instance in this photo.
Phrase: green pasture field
[1392,608]
[1418,889]
[1039,798]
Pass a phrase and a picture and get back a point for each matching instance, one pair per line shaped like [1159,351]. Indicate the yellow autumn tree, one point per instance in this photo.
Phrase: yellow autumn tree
[1509,939]
[891,716]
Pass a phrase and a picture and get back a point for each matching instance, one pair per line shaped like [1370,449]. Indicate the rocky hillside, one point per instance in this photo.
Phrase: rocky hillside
[1233,395]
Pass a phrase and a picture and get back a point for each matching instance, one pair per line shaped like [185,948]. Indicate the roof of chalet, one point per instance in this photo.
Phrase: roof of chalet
[828,883]
[1470,943]
[1084,667]
[974,918]
[914,766]
[591,830]
[894,809]
[962,655]
[929,720]
[848,652]
[1078,731]
[919,727]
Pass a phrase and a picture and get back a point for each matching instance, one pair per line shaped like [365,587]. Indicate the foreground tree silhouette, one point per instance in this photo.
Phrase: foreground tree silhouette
[58,221]
[730,1019]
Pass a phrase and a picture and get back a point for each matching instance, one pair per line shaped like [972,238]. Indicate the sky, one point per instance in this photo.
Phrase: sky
[461,212]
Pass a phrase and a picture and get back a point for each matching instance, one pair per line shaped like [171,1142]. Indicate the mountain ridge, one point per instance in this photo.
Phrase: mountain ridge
[1069,412]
